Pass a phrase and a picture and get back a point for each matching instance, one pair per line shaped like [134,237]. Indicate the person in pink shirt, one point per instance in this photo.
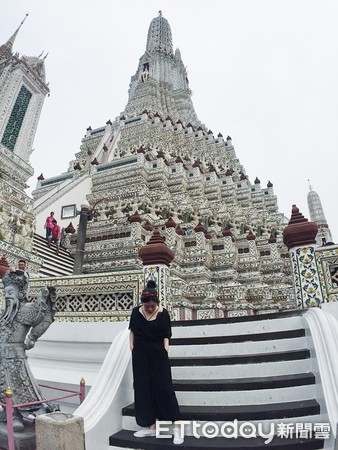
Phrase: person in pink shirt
[49,224]
[55,236]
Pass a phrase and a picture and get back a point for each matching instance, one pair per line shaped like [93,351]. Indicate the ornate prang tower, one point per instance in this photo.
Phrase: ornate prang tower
[22,92]
[156,166]
[161,84]
[318,217]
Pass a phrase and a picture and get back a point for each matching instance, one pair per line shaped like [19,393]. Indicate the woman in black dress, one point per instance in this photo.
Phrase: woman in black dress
[150,331]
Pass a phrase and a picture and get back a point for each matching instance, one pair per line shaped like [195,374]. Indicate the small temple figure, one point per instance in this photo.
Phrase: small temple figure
[145,74]
[21,324]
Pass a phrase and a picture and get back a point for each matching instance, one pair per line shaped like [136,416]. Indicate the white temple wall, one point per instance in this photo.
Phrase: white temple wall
[69,351]
[72,198]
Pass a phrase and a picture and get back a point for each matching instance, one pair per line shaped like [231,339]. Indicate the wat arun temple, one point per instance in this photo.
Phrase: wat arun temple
[155,195]
[157,170]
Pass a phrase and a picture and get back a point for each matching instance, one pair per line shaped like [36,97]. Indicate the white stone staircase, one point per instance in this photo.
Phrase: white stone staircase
[257,369]
[54,265]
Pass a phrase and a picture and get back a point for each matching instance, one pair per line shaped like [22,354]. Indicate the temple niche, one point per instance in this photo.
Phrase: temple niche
[158,165]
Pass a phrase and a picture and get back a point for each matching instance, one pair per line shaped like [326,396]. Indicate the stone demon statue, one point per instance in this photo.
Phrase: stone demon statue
[21,324]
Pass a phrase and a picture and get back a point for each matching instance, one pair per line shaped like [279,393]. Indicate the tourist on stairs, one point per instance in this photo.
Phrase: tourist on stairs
[49,224]
[150,331]
[55,236]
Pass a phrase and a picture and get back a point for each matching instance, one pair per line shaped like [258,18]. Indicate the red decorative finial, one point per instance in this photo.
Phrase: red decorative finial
[156,251]
[170,223]
[199,228]
[135,217]
[272,239]
[300,231]
[227,232]
[148,226]
[250,236]
[70,229]
[179,230]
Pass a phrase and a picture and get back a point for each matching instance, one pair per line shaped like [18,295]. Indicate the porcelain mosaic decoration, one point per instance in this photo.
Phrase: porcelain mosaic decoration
[327,263]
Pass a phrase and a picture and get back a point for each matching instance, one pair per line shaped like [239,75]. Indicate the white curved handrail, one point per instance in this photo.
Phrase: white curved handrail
[324,332]
[102,408]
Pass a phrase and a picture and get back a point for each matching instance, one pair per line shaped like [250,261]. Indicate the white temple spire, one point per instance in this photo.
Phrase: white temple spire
[318,217]
[159,36]
[161,84]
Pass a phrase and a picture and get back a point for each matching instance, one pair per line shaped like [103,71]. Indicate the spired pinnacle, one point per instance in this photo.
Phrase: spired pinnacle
[27,14]
[6,49]
[315,207]
[159,36]
[160,86]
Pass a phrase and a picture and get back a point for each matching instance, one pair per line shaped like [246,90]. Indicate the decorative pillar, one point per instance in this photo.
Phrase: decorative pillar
[170,232]
[156,257]
[136,227]
[81,239]
[300,238]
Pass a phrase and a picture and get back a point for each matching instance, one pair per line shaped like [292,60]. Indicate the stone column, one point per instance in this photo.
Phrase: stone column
[81,239]
[300,238]
[156,257]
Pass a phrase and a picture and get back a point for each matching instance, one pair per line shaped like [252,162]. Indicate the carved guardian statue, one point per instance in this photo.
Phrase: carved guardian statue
[21,324]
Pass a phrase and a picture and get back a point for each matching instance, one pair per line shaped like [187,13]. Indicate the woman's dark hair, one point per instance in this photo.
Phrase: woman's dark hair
[151,284]
[150,292]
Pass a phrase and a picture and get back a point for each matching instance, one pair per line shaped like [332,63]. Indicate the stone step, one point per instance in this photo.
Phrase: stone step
[253,397]
[237,348]
[129,423]
[125,439]
[53,264]
[46,252]
[245,412]
[241,359]
[265,323]
[244,384]
[49,273]
[243,370]
[226,339]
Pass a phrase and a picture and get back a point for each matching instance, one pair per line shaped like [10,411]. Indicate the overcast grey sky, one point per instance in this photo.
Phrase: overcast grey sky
[263,71]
